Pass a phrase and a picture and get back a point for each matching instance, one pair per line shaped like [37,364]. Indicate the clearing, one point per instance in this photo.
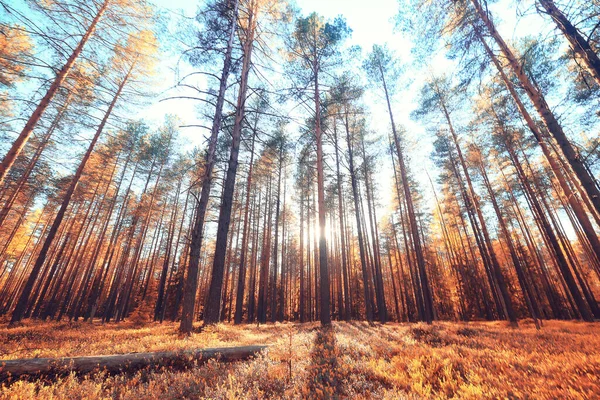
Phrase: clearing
[351,360]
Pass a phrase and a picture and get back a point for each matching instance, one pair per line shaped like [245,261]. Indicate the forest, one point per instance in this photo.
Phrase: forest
[255,199]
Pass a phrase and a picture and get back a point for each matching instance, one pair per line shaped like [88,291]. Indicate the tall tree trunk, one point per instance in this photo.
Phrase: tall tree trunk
[252,284]
[379,292]
[213,305]
[427,296]
[281,298]
[162,285]
[276,244]
[361,244]
[347,312]
[324,306]
[263,284]
[302,303]
[239,300]
[191,283]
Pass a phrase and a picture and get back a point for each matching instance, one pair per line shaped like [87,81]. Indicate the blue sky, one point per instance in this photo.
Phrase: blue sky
[371,23]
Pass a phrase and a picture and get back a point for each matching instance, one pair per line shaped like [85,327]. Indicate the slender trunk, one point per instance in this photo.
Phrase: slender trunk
[23,137]
[302,304]
[265,255]
[323,269]
[379,292]
[539,102]
[253,255]
[427,297]
[162,285]
[239,300]
[24,298]
[347,311]
[276,244]
[361,244]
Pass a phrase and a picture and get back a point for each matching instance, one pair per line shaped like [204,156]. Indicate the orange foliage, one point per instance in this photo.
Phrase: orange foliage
[14,46]
[351,360]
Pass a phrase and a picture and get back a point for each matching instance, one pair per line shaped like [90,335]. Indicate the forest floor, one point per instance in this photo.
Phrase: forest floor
[351,360]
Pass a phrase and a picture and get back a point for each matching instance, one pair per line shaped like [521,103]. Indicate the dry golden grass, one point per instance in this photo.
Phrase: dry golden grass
[351,360]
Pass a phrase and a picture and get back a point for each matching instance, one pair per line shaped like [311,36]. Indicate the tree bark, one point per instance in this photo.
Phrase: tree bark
[191,283]
[579,45]
[213,305]
[118,363]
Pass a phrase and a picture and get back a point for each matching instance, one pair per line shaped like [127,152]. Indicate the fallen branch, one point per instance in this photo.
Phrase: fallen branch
[118,363]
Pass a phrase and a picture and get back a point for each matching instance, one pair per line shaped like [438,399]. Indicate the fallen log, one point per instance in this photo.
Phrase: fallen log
[119,363]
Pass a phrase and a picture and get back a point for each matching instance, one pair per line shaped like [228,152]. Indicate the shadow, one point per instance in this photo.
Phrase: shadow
[325,376]
[363,326]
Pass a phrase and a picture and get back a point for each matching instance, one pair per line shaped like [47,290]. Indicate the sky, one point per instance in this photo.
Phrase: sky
[371,23]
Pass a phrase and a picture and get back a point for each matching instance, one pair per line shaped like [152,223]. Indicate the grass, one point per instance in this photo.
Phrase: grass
[350,360]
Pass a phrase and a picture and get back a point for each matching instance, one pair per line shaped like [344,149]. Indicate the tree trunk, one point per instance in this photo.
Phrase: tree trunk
[24,298]
[302,303]
[23,137]
[119,363]
[323,269]
[239,300]
[347,312]
[546,114]
[361,245]
[276,244]
[427,297]
[213,305]
[379,292]
[579,45]
[191,283]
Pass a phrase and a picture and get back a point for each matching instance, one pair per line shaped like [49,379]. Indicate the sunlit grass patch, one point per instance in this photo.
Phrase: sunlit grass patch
[350,360]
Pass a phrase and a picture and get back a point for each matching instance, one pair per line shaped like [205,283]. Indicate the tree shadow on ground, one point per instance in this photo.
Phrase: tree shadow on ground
[325,375]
